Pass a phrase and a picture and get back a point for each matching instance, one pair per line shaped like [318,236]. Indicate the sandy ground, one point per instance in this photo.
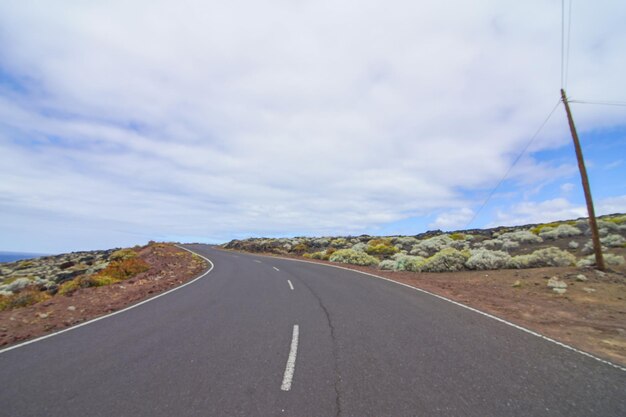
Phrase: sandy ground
[169,267]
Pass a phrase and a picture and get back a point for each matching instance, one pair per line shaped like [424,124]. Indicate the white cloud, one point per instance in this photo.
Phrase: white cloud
[531,212]
[453,219]
[567,187]
[220,119]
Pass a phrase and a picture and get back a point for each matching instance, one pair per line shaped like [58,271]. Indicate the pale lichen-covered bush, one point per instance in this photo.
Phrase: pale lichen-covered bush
[387,264]
[509,245]
[573,245]
[562,230]
[588,247]
[447,260]
[521,236]
[359,247]
[405,241]
[431,245]
[485,259]
[613,241]
[407,262]
[543,257]
[609,259]
[349,256]
[510,240]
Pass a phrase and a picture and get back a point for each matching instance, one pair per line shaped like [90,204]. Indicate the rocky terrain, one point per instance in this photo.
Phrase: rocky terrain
[45,294]
[559,244]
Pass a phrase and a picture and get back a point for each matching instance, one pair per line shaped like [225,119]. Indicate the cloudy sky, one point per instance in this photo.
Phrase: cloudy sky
[125,121]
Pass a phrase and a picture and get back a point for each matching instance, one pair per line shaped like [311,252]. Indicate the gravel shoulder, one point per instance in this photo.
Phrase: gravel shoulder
[169,266]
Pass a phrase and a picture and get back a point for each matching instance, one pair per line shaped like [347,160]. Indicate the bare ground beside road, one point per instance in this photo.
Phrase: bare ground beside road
[590,316]
[170,266]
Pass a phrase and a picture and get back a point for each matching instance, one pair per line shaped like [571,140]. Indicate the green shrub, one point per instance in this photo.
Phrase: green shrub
[353,257]
[457,236]
[402,262]
[447,260]
[122,254]
[381,247]
[23,298]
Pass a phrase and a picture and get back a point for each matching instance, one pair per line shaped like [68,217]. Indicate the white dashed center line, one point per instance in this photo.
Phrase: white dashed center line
[276,268]
[257,261]
[291,361]
[290,284]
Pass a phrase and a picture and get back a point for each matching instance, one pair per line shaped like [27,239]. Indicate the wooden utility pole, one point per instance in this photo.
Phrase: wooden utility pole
[595,236]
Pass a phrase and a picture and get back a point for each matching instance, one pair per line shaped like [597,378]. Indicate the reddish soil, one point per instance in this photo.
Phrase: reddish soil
[169,267]
[590,316]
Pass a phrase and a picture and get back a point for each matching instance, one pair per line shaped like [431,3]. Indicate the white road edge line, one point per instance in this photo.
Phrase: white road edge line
[475,310]
[28,342]
[276,268]
[290,284]
[291,360]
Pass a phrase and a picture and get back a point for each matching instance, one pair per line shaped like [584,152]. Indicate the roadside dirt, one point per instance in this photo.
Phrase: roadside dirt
[169,267]
[590,316]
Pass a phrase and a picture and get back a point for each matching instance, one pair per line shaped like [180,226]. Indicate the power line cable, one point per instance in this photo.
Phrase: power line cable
[567,46]
[603,103]
[562,43]
[532,139]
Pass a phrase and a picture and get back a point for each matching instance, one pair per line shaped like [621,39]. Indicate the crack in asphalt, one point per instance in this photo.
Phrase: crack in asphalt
[337,385]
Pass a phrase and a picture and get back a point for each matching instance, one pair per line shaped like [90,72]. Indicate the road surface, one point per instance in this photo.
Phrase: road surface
[260,336]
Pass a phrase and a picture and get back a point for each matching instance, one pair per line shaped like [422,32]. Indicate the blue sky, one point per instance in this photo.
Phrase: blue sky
[122,122]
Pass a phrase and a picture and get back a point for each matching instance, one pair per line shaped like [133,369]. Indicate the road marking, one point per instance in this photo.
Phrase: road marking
[116,312]
[475,310]
[257,261]
[291,361]
[276,268]
[290,284]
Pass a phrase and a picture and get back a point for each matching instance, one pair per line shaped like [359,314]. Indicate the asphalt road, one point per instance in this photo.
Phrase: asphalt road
[224,346]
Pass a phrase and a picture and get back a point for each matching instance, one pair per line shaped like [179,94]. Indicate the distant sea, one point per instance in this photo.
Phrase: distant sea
[18,256]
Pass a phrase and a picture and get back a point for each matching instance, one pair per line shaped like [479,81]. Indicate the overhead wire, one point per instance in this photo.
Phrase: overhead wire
[515,161]
[603,103]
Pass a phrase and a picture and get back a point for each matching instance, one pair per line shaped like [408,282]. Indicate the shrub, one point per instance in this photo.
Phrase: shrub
[521,236]
[485,259]
[613,241]
[447,260]
[402,262]
[300,247]
[359,247]
[122,254]
[124,269]
[381,247]
[543,257]
[609,259]
[563,230]
[509,245]
[69,287]
[457,236]
[387,264]
[588,247]
[22,299]
[353,257]
[573,245]
[405,241]
[339,243]
[431,246]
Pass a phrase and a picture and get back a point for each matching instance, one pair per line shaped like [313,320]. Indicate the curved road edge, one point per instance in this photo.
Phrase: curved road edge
[205,273]
[475,310]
